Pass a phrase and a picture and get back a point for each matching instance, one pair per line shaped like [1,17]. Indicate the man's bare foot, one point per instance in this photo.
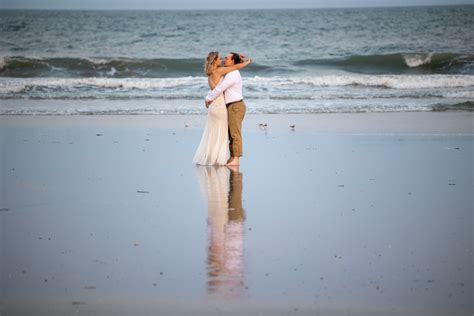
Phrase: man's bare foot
[233,168]
[234,162]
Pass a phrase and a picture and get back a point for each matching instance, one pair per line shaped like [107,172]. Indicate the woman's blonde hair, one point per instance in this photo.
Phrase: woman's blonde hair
[211,58]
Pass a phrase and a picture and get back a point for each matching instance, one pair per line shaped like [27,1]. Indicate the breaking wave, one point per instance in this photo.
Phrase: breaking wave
[400,63]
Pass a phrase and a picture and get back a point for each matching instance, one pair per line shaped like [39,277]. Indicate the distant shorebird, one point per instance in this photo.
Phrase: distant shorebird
[292,126]
[264,125]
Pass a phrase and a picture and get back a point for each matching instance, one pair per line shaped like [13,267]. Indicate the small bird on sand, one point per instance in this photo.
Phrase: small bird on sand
[292,127]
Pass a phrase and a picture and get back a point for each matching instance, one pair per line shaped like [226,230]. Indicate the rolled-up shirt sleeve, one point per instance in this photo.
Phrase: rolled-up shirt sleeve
[228,81]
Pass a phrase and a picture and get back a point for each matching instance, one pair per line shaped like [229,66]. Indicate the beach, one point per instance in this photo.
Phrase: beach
[342,214]
[354,196]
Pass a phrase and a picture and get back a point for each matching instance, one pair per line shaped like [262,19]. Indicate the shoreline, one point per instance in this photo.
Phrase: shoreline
[436,123]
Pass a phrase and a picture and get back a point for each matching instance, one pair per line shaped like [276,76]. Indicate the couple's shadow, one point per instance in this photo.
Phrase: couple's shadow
[222,189]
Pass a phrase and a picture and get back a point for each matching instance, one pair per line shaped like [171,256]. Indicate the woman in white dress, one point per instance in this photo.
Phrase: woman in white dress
[214,146]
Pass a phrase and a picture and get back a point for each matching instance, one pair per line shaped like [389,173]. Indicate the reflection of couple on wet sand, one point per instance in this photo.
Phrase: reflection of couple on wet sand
[223,192]
[226,111]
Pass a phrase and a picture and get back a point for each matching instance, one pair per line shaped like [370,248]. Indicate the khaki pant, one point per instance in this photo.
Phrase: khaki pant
[236,212]
[235,116]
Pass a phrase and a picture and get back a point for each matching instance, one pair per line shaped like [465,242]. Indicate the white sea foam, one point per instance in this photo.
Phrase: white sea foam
[387,81]
[97,61]
[11,87]
[8,85]
[416,60]
[459,94]
[112,71]
[329,87]
[109,107]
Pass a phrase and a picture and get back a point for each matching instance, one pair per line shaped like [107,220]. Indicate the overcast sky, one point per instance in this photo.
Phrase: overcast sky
[213,4]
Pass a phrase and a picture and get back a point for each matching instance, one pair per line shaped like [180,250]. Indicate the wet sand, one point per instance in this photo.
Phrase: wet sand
[344,214]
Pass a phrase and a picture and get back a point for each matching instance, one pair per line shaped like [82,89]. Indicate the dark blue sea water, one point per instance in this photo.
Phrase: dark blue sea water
[305,61]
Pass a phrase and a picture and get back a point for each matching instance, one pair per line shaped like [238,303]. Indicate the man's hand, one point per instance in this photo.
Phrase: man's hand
[207,103]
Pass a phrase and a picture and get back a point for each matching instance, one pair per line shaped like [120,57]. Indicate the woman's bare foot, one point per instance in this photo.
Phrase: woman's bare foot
[234,162]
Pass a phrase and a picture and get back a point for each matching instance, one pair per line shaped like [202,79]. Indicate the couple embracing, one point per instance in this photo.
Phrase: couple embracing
[226,111]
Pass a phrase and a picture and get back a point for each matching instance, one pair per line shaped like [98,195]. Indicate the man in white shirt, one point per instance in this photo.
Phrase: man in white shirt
[232,88]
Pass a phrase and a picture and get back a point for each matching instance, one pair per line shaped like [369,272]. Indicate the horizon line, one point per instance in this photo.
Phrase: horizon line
[243,9]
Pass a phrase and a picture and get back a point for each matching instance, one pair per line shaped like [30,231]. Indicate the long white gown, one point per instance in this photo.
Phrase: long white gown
[214,146]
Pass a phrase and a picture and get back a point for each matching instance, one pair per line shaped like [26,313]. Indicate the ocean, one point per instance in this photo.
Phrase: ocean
[305,61]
